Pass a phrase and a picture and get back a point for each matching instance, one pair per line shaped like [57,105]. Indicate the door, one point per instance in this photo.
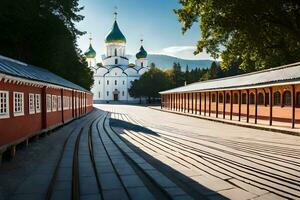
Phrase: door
[116,97]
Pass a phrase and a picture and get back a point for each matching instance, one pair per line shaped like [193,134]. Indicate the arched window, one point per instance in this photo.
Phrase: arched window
[116,61]
[220,98]
[116,82]
[213,98]
[287,98]
[227,98]
[107,82]
[277,98]
[235,98]
[252,98]
[244,98]
[123,93]
[267,99]
[260,99]
[115,52]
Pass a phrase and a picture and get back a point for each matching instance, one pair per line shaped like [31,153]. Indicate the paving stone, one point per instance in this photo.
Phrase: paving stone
[237,193]
[88,185]
[110,181]
[27,197]
[132,181]
[139,193]
[61,194]
[115,194]
[63,185]
[90,197]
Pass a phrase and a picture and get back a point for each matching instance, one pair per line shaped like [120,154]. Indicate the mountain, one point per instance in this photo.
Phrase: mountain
[164,62]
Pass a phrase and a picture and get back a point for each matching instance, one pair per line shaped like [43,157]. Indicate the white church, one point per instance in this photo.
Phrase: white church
[113,80]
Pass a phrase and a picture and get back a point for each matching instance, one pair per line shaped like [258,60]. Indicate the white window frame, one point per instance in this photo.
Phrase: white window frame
[54,103]
[37,103]
[31,103]
[21,112]
[6,114]
[49,104]
[59,103]
[70,102]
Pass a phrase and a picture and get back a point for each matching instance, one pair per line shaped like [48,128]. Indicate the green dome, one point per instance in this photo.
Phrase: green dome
[115,35]
[142,53]
[90,53]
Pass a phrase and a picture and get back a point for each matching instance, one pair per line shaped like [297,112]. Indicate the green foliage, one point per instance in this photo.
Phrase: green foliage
[43,33]
[259,34]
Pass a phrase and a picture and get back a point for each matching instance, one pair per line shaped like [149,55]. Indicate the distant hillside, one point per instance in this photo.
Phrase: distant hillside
[164,62]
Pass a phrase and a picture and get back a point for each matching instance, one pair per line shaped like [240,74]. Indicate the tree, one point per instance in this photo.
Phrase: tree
[150,84]
[177,75]
[261,34]
[43,33]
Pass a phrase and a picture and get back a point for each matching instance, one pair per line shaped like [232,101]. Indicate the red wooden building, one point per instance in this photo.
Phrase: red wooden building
[270,97]
[34,100]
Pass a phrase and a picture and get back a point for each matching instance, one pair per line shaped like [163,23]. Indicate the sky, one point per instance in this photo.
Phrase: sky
[152,20]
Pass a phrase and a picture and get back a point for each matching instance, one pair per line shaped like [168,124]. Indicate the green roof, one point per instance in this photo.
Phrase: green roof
[115,35]
[142,53]
[90,53]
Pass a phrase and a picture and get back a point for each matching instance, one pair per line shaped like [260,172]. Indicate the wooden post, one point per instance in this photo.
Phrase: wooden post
[184,95]
[200,103]
[293,105]
[240,104]
[247,106]
[188,102]
[192,102]
[196,102]
[204,103]
[255,119]
[231,103]
[209,103]
[271,106]
[217,104]
[224,103]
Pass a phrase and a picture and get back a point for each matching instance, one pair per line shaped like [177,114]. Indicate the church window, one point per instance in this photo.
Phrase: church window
[142,64]
[107,93]
[116,82]
[18,103]
[220,98]
[116,61]
[267,99]
[123,93]
[4,104]
[31,103]
[227,98]
[37,103]
[99,82]
[107,82]
[115,52]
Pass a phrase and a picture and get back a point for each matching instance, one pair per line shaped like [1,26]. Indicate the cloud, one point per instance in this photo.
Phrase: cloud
[185,52]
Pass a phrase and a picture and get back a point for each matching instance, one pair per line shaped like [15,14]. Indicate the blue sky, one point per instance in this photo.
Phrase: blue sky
[152,19]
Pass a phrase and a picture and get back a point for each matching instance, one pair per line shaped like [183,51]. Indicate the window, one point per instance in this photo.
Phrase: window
[142,64]
[99,94]
[48,102]
[31,103]
[99,82]
[107,82]
[277,97]
[123,93]
[116,61]
[4,104]
[287,98]
[59,103]
[213,98]
[37,103]
[116,82]
[260,99]
[220,98]
[54,102]
[235,98]
[70,103]
[267,99]
[244,98]
[252,98]
[227,98]
[115,52]
[123,82]
[107,93]
[18,103]
[298,98]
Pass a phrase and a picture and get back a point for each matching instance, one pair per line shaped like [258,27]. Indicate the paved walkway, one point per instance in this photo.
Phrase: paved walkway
[132,152]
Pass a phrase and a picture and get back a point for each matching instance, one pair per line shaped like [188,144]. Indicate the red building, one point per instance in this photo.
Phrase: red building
[34,100]
[270,97]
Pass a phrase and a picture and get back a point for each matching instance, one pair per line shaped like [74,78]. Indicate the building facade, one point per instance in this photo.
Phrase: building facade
[268,97]
[113,79]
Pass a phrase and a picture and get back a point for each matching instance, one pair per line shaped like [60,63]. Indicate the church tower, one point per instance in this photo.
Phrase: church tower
[141,57]
[90,55]
[115,43]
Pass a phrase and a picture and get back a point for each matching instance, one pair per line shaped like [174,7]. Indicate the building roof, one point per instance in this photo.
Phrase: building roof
[142,53]
[19,69]
[115,35]
[278,75]
[90,53]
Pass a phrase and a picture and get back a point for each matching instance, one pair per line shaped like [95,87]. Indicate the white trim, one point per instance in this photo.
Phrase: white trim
[54,103]
[6,115]
[58,103]
[21,104]
[31,100]
[37,103]
[48,102]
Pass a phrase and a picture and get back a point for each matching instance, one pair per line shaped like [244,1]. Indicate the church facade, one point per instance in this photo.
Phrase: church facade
[113,79]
